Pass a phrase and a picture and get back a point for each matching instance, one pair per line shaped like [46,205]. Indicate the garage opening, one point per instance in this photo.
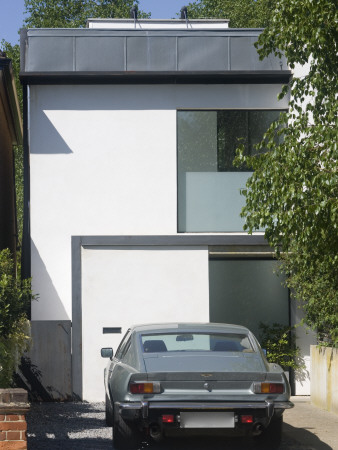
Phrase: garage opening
[247,292]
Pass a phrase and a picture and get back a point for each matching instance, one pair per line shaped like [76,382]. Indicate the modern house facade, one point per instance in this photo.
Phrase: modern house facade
[134,204]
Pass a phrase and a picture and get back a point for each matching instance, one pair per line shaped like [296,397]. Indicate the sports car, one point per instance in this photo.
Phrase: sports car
[189,377]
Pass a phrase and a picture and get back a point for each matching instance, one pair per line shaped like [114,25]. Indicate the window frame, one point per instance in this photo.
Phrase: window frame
[181,205]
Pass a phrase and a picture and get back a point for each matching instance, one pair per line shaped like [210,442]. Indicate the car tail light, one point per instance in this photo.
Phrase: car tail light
[168,418]
[269,388]
[247,419]
[144,387]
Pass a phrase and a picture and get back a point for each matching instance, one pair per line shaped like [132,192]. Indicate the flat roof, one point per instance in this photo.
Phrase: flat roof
[95,55]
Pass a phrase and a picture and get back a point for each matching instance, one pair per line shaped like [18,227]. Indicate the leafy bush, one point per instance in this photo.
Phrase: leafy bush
[280,344]
[15,297]
[293,192]
[319,286]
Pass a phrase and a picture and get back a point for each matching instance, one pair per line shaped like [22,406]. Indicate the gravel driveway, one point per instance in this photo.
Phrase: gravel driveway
[80,426]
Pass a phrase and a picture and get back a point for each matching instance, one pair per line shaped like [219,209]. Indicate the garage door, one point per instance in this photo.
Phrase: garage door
[125,286]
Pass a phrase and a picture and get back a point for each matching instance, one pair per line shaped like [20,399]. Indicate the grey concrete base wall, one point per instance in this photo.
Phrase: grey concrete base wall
[46,369]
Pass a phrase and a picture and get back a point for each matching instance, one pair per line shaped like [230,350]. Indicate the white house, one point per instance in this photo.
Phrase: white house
[132,211]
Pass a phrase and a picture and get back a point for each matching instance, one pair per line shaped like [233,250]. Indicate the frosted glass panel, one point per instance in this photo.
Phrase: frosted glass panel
[211,201]
[197,141]
[247,292]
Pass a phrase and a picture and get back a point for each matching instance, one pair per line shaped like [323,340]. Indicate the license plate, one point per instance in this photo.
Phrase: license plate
[207,420]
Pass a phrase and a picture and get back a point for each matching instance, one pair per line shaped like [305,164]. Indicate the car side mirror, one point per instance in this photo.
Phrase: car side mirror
[107,352]
[264,351]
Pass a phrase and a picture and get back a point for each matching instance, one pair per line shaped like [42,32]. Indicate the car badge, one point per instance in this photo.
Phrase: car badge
[206,375]
[207,387]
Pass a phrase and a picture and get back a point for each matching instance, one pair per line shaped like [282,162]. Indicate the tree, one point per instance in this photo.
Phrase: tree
[15,297]
[241,13]
[294,188]
[74,13]
[13,52]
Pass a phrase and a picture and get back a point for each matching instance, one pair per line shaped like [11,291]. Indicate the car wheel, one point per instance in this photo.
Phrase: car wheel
[109,412]
[271,437]
[125,435]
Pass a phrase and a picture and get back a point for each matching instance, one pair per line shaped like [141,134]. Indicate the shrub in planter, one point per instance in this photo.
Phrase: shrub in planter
[15,297]
[280,344]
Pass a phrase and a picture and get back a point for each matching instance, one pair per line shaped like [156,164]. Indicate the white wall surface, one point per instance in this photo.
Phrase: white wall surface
[123,287]
[305,338]
[153,24]
[103,162]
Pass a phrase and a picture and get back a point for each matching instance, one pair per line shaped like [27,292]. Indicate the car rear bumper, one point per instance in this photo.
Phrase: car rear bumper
[143,409]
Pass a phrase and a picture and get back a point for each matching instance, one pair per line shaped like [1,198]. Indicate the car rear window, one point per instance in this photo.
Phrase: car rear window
[203,342]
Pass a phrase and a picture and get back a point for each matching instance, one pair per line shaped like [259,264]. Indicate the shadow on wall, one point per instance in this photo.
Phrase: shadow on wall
[49,139]
[45,371]
[301,375]
[29,378]
[50,304]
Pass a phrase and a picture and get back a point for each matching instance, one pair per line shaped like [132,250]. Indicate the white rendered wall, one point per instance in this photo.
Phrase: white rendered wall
[103,162]
[305,338]
[123,287]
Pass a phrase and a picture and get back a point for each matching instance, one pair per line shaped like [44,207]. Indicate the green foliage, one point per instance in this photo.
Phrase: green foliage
[74,13]
[280,344]
[13,52]
[241,13]
[12,348]
[15,295]
[293,191]
[317,285]
[15,298]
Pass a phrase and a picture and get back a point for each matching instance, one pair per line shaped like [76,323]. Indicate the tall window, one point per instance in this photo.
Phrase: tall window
[209,185]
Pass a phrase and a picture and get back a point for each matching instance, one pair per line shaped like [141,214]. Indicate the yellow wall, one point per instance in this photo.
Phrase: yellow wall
[324,378]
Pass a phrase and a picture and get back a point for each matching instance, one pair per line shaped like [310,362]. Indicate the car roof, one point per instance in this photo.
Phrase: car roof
[190,327]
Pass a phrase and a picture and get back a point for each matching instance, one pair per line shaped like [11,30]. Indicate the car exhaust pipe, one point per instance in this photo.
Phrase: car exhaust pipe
[155,432]
[257,429]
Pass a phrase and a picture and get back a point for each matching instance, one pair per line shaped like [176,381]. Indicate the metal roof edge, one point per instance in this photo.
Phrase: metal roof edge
[198,77]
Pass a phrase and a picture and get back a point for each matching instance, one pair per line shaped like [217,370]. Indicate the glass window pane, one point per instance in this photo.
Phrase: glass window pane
[196,342]
[259,122]
[209,185]
[232,130]
[197,141]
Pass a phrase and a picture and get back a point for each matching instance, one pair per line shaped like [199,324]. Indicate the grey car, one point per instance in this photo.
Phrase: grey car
[189,377]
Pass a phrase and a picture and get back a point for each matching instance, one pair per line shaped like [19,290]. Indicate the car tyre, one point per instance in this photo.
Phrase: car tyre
[271,437]
[125,435]
[109,413]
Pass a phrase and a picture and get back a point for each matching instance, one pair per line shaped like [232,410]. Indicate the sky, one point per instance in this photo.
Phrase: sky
[12,14]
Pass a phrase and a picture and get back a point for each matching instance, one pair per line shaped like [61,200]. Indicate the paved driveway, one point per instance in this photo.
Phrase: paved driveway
[80,426]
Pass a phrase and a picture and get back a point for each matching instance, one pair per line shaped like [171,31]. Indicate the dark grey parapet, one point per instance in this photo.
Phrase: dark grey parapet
[58,55]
